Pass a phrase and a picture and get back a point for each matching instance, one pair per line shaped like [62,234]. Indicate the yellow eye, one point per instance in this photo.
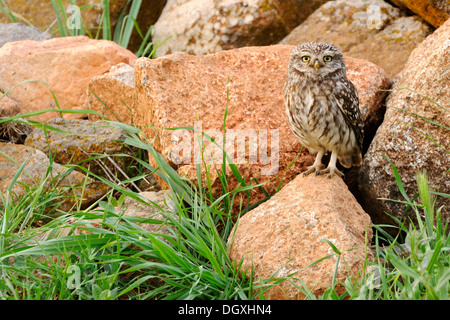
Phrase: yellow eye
[306,58]
[327,58]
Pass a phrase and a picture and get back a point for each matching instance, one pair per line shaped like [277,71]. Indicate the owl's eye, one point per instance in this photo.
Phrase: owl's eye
[306,58]
[327,58]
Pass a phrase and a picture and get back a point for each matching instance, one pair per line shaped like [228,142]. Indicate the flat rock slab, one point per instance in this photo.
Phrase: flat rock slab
[10,32]
[72,185]
[83,139]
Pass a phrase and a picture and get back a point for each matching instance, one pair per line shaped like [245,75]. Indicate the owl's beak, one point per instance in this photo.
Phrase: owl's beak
[316,65]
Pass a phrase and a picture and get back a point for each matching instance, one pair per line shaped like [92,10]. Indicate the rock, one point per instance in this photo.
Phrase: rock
[10,32]
[208,26]
[295,12]
[137,209]
[435,12]
[86,140]
[182,90]
[65,64]
[401,136]
[285,234]
[372,84]
[74,185]
[370,30]
[111,94]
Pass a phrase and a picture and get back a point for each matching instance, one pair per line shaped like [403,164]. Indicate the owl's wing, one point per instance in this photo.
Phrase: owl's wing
[347,100]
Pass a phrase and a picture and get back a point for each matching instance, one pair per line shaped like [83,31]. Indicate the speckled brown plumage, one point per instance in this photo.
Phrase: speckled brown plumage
[322,106]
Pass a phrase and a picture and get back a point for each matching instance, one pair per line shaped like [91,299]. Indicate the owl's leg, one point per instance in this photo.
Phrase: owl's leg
[331,169]
[317,165]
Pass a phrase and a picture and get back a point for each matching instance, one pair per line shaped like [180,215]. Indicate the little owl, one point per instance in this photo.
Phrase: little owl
[323,107]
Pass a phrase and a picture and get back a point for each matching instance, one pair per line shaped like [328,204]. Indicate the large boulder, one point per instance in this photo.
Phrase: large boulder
[414,134]
[435,12]
[285,236]
[182,90]
[371,30]
[208,26]
[66,65]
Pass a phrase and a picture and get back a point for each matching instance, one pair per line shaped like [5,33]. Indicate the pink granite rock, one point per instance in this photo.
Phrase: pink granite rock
[414,134]
[181,90]
[286,234]
[66,65]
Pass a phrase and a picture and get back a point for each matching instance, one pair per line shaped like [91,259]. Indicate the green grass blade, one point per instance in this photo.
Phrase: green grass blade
[61,245]
[125,24]
[106,22]
[7,12]
[398,180]
[60,16]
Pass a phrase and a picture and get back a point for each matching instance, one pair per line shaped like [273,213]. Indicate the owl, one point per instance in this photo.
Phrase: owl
[322,107]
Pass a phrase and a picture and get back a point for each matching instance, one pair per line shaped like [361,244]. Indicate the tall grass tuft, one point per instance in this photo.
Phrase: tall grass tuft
[417,269]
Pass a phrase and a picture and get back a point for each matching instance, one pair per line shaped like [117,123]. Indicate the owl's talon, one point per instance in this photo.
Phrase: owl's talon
[332,171]
[313,168]
[306,173]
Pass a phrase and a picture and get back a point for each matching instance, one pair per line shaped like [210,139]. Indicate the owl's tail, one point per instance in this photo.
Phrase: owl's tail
[351,160]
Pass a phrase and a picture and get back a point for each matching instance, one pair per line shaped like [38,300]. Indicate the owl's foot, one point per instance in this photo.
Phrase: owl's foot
[331,171]
[314,168]
[317,165]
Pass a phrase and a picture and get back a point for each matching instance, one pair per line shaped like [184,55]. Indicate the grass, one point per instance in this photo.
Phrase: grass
[98,253]
[114,257]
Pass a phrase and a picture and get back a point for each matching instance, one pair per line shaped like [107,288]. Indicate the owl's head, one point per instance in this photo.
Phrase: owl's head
[316,61]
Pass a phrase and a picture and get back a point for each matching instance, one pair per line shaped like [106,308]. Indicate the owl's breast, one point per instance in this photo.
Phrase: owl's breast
[314,116]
